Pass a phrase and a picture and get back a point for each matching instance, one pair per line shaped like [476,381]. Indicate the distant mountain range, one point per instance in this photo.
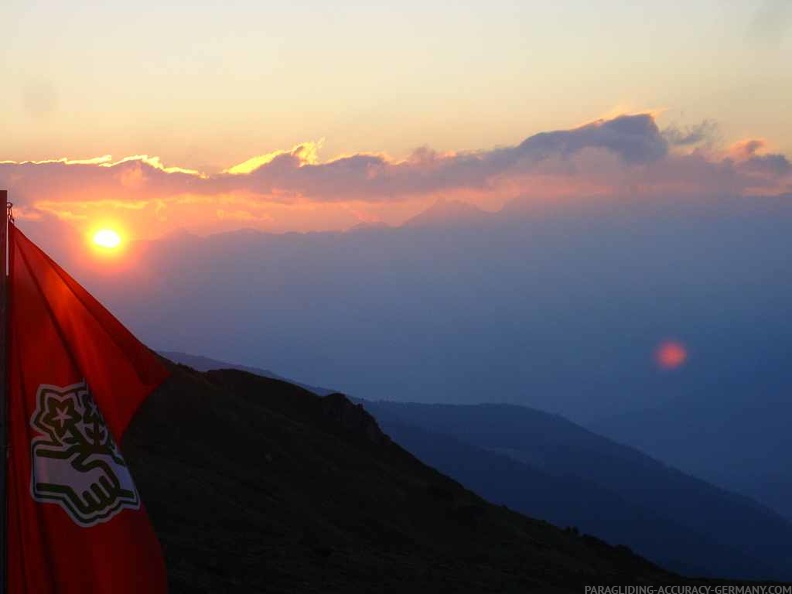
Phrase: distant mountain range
[556,308]
[735,433]
[448,213]
[550,468]
[257,485]
[547,467]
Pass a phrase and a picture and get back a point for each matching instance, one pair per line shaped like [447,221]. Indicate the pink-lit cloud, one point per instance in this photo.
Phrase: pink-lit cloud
[627,156]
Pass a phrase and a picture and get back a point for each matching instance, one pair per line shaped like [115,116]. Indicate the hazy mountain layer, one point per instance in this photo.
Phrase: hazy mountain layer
[742,442]
[548,467]
[559,308]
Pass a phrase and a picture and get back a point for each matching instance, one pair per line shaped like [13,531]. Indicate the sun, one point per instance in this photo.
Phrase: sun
[107,239]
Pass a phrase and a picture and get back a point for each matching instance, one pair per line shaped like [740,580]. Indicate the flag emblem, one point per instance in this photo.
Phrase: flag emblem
[76,462]
[75,378]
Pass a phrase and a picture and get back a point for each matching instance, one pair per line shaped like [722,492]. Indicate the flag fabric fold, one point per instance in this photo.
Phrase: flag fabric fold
[76,376]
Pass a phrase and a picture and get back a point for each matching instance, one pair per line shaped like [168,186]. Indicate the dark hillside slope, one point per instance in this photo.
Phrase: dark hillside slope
[256,485]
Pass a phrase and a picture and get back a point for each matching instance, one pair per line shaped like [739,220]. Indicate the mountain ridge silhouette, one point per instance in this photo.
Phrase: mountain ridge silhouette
[257,485]
[274,397]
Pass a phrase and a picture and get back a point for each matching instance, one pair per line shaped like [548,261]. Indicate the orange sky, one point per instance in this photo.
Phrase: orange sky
[626,157]
[309,116]
[209,85]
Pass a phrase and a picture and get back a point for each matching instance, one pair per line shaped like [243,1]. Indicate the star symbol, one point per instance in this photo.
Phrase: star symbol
[62,415]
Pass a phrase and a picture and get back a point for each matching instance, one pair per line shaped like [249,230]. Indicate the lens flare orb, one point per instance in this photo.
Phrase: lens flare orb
[671,355]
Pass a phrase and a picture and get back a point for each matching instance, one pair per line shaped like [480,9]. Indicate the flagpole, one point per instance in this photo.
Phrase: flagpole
[4,352]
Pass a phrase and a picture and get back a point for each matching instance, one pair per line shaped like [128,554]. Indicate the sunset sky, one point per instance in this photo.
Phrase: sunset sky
[315,116]
[579,206]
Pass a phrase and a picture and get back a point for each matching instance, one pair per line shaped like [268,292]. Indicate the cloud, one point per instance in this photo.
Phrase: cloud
[132,178]
[241,215]
[749,155]
[635,138]
[623,156]
[704,132]
[306,154]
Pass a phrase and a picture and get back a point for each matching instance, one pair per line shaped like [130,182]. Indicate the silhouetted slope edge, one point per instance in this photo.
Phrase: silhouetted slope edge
[546,466]
[255,485]
[206,364]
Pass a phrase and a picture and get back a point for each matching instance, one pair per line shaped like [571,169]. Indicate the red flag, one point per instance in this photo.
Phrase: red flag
[76,524]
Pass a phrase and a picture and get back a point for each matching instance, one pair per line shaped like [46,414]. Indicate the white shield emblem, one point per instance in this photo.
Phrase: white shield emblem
[75,462]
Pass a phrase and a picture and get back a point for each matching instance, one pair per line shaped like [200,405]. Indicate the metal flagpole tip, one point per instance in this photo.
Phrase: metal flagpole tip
[9,205]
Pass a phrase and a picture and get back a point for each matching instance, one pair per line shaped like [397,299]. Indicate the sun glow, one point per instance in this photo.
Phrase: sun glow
[106,239]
